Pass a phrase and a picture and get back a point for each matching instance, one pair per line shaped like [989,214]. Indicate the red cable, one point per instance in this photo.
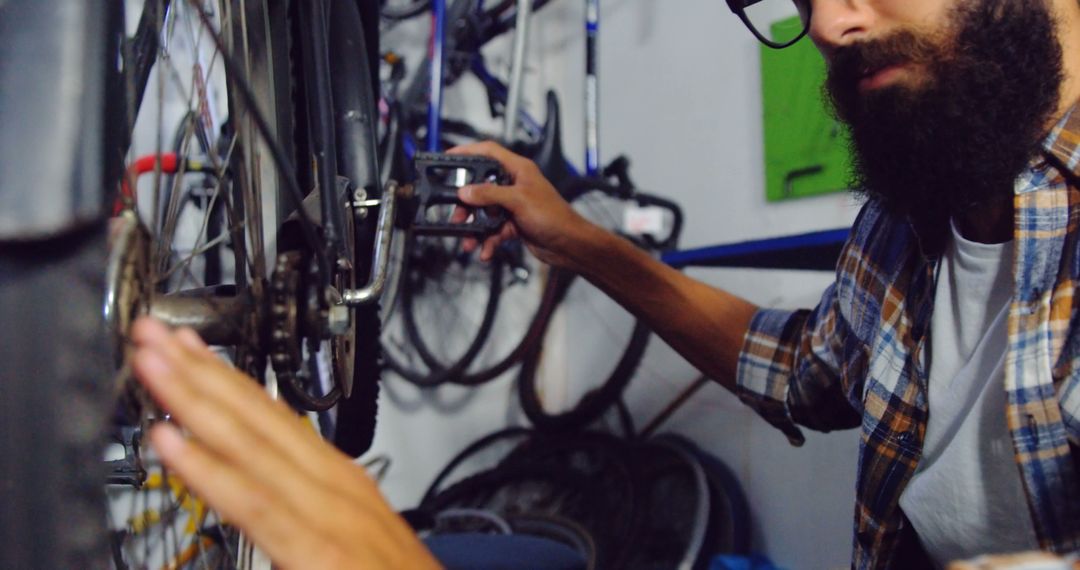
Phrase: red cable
[170,164]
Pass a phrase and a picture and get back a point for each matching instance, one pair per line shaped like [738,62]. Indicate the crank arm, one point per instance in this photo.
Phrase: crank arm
[384,236]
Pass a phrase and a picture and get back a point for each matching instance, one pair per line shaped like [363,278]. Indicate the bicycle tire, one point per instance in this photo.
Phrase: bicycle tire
[353,430]
[554,290]
[397,13]
[52,408]
[556,286]
[52,399]
[590,479]
[559,529]
[551,293]
[357,148]
[596,402]
[439,373]
[412,327]
[347,406]
[472,449]
[550,150]
[731,524]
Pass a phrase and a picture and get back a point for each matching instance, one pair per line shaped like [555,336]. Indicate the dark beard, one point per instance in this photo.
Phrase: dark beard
[960,139]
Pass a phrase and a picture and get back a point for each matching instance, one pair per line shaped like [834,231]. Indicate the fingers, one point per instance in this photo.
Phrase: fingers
[226,410]
[193,341]
[192,365]
[483,195]
[514,164]
[261,466]
[506,233]
[172,364]
[235,495]
[480,195]
[459,216]
[330,530]
[225,434]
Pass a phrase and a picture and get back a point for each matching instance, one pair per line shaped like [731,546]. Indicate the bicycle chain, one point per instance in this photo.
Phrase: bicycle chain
[285,349]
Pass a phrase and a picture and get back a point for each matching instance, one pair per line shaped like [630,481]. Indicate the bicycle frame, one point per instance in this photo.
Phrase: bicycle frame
[435,80]
[592,94]
[440,45]
[508,95]
[517,70]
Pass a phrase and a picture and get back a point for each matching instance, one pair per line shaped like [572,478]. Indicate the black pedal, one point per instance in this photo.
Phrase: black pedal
[438,177]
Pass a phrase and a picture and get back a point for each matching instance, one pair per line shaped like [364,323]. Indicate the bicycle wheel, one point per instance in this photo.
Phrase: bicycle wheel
[250,84]
[201,58]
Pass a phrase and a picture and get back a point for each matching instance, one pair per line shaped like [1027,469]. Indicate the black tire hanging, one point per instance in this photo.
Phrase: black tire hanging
[396,13]
[598,401]
[438,372]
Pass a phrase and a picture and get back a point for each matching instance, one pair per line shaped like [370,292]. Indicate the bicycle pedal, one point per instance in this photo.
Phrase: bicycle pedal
[438,178]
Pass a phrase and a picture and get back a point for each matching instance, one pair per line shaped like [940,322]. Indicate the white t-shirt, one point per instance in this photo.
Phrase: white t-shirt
[966,497]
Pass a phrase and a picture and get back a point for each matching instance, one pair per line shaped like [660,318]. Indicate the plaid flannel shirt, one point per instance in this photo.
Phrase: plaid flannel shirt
[859,360]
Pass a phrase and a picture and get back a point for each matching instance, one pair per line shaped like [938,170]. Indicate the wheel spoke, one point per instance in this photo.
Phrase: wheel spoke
[217,193]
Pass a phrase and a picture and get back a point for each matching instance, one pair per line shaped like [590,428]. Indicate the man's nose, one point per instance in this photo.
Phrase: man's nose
[838,23]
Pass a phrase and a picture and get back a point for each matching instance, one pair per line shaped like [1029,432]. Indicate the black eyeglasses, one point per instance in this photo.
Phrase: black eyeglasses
[764,18]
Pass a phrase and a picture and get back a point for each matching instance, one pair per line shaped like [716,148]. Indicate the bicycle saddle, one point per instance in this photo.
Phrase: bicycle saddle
[547,153]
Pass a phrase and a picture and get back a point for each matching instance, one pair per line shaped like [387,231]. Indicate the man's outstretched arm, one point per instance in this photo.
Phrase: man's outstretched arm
[262,467]
[704,324]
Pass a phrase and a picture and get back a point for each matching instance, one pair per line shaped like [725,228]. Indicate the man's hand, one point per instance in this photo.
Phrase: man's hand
[261,466]
[538,214]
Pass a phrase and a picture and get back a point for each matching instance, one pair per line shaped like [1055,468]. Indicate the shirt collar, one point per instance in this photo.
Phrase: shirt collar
[1061,148]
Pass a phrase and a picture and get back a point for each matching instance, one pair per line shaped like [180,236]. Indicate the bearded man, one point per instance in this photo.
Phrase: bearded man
[950,338]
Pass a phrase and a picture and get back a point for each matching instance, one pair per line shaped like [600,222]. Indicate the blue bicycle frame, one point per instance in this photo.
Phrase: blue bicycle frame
[436,80]
[500,91]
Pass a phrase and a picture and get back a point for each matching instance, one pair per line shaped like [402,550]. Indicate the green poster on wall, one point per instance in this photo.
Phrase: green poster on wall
[805,147]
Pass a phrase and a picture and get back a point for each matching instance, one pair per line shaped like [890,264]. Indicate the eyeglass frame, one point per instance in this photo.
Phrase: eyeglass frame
[738,7]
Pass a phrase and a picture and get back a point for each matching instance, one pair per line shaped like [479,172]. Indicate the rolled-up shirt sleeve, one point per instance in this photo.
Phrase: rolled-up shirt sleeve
[791,369]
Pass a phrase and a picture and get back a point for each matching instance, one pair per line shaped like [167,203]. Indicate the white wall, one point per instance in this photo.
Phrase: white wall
[680,95]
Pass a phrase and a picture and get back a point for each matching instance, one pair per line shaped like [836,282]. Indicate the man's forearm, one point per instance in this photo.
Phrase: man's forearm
[704,324]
